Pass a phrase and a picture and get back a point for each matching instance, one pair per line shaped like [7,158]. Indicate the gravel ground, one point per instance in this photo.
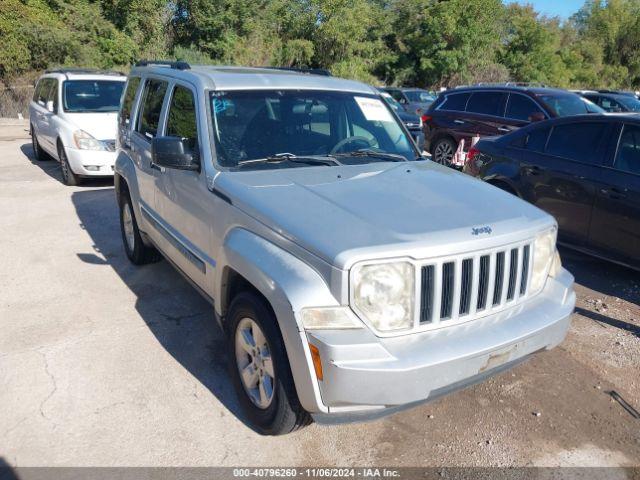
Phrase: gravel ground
[104,364]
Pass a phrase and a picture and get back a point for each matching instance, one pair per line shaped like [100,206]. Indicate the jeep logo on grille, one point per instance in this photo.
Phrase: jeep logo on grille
[481,230]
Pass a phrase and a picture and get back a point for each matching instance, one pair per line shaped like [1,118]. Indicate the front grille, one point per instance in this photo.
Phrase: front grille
[468,286]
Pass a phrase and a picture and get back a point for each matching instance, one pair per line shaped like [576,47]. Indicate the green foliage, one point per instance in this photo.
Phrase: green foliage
[426,43]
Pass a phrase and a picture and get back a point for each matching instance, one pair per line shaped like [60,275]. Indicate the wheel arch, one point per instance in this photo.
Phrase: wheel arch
[250,262]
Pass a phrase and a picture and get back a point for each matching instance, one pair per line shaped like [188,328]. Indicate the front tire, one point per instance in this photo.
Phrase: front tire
[137,252]
[69,178]
[38,153]
[260,370]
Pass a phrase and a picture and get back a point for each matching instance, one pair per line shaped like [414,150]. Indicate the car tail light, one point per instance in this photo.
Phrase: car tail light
[470,166]
[426,118]
[472,153]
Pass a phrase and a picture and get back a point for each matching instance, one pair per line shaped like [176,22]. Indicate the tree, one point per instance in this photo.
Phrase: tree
[442,42]
[532,47]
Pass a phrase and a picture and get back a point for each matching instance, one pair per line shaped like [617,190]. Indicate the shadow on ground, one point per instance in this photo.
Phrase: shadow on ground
[601,276]
[51,167]
[176,314]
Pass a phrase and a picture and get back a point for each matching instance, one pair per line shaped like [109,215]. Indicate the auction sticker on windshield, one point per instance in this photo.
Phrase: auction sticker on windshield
[373,109]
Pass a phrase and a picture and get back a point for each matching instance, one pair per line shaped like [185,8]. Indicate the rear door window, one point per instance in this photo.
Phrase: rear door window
[521,108]
[487,103]
[455,102]
[127,101]
[577,141]
[628,156]
[149,116]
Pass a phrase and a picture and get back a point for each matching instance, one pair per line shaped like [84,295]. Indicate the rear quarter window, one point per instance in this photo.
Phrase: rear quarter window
[455,102]
[536,140]
[577,141]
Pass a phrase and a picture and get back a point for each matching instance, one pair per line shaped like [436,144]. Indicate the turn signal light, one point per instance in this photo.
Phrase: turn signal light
[317,363]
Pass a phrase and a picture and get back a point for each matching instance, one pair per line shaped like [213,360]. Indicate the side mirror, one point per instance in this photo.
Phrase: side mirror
[173,152]
[536,117]
[49,106]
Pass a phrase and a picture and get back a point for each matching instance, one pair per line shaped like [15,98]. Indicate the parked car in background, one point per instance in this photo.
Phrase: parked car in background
[73,120]
[413,100]
[614,102]
[463,113]
[412,121]
[584,170]
[352,277]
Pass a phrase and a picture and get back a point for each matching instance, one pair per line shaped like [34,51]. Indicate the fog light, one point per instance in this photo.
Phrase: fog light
[92,168]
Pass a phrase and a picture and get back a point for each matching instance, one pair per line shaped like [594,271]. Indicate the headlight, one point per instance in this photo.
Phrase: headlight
[329,318]
[384,295]
[84,141]
[544,250]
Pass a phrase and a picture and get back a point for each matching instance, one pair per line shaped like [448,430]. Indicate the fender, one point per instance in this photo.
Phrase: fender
[125,171]
[289,285]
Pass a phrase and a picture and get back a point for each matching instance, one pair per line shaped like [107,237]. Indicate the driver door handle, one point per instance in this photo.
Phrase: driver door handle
[459,122]
[504,129]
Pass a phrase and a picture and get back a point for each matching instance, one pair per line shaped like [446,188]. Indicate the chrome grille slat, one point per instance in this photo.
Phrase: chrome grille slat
[460,288]
[483,286]
[446,307]
[499,278]
[466,279]
[428,286]
[524,280]
[513,273]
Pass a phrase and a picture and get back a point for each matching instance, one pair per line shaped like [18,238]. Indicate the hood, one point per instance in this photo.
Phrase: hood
[102,126]
[407,117]
[342,214]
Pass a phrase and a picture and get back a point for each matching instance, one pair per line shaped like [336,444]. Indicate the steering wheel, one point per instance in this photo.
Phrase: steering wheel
[346,141]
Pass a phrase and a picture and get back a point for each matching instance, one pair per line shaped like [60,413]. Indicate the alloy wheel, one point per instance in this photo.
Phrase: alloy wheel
[254,362]
[127,223]
[443,153]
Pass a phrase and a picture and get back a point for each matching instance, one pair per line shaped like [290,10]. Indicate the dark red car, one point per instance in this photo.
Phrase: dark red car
[463,113]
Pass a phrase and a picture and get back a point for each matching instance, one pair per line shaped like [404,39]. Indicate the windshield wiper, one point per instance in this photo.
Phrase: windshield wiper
[394,157]
[290,157]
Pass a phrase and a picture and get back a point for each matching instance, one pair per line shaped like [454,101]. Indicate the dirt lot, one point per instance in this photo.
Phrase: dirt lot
[102,363]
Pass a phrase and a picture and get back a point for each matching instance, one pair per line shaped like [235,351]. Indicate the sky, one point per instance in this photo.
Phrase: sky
[561,8]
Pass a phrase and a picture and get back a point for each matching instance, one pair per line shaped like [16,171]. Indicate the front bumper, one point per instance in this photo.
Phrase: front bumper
[366,374]
[91,163]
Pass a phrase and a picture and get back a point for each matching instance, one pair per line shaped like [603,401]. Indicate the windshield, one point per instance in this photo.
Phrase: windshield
[419,96]
[630,102]
[592,107]
[92,95]
[567,105]
[260,124]
[393,103]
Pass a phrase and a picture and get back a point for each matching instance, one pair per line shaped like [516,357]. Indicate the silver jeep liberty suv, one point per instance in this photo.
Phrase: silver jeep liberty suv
[352,277]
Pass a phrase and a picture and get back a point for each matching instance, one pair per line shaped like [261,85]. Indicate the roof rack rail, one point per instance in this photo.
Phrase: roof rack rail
[505,84]
[177,65]
[67,71]
[310,71]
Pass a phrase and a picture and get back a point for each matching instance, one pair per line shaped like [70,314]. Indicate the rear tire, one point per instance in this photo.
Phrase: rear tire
[38,153]
[68,176]
[137,252]
[443,151]
[267,394]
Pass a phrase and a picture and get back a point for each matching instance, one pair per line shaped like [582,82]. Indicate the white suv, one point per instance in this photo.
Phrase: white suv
[73,118]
